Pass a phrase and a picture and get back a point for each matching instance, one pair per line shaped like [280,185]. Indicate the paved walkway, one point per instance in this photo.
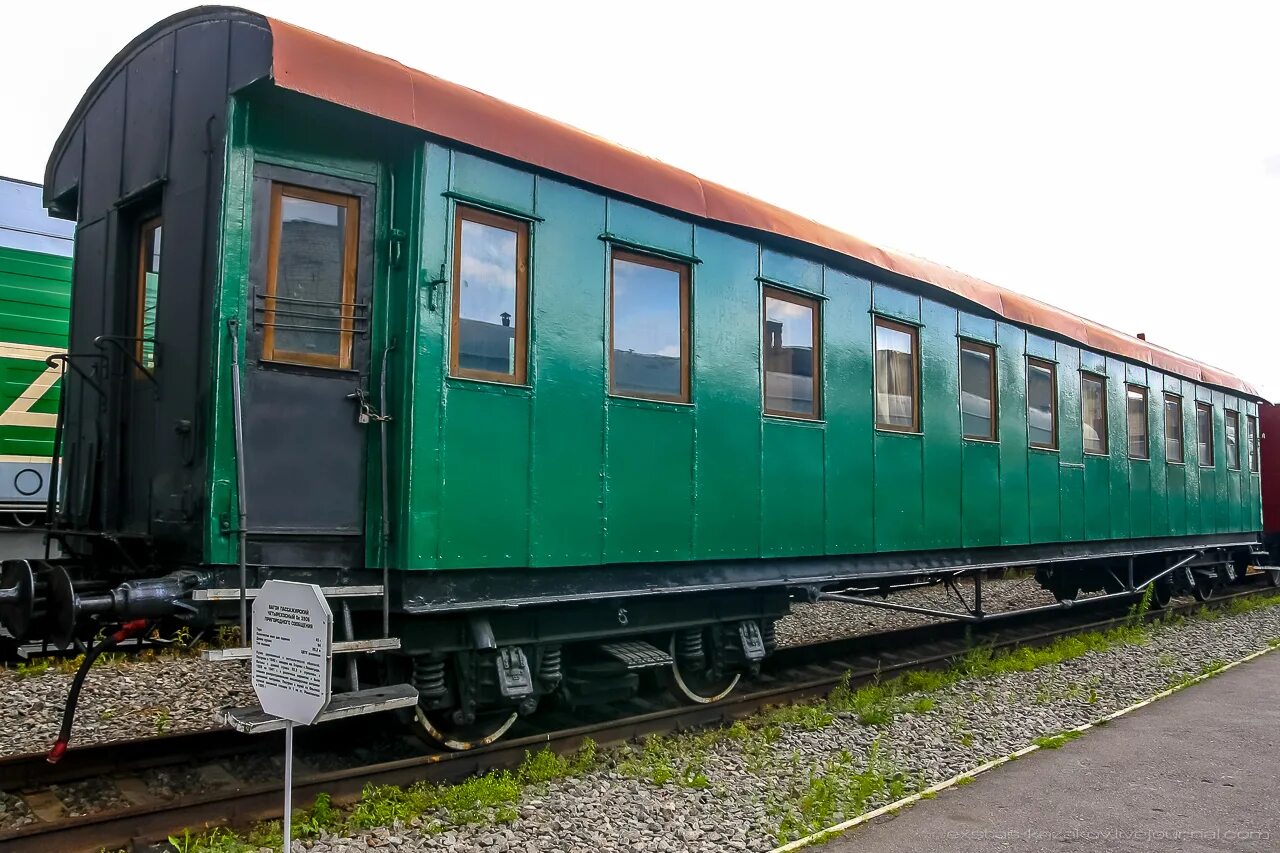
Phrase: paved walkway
[1196,771]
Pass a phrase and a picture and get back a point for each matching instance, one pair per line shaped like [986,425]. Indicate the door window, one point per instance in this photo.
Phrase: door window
[310,308]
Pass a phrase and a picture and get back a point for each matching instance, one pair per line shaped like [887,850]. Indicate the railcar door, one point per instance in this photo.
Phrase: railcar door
[307,367]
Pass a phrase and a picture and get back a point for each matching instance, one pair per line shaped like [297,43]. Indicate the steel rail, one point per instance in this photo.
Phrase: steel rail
[795,673]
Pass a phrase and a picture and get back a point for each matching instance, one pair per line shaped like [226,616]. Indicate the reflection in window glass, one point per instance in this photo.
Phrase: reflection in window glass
[1093,409]
[895,363]
[489,297]
[1204,434]
[1253,443]
[977,390]
[1136,411]
[1172,428]
[649,334]
[1232,421]
[1042,417]
[148,290]
[311,289]
[790,365]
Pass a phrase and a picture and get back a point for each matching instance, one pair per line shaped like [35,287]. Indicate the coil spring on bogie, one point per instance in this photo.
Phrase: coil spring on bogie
[549,664]
[689,644]
[428,676]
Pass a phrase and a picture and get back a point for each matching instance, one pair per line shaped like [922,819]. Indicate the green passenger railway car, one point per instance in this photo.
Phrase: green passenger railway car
[35,293]
[560,412]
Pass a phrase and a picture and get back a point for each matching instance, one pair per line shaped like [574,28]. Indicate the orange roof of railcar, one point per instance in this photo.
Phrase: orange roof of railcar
[316,65]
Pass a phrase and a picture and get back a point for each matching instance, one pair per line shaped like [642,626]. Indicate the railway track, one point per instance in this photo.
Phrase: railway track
[230,796]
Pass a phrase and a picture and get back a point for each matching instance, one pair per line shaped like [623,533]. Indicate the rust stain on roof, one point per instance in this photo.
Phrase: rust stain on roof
[316,65]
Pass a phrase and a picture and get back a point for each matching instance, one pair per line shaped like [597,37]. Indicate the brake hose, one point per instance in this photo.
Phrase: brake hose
[127,630]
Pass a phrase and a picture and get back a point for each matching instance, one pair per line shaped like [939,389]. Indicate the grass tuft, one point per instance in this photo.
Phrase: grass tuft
[1057,741]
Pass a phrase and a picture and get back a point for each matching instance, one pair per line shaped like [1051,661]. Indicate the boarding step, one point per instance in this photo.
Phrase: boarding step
[233,594]
[254,720]
[637,654]
[340,647]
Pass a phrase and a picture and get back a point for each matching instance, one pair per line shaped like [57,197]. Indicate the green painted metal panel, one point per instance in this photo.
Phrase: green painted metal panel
[793,512]
[726,362]
[1140,497]
[1118,444]
[567,374]
[1014,518]
[487,181]
[1159,467]
[940,416]
[1097,497]
[1071,445]
[977,328]
[645,227]
[848,399]
[895,303]
[788,269]
[422,500]
[1044,495]
[981,493]
[1038,347]
[1221,518]
[484,510]
[899,472]
[648,482]
[1092,361]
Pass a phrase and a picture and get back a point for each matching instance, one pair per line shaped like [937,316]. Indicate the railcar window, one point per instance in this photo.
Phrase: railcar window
[1136,414]
[311,277]
[897,406]
[1173,429]
[978,390]
[1204,434]
[1232,421]
[649,335]
[1252,423]
[1042,404]
[792,355]
[148,291]
[489,333]
[1093,413]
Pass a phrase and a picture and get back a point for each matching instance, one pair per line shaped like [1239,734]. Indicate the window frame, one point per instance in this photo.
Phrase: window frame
[1146,420]
[350,259]
[1052,367]
[1101,379]
[1255,458]
[521,227]
[1182,430]
[993,403]
[685,273]
[1206,408]
[147,225]
[1233,416]
[815,305]
[914,332]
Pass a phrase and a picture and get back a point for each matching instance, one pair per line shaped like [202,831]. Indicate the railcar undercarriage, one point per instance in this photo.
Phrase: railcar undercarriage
[478,664]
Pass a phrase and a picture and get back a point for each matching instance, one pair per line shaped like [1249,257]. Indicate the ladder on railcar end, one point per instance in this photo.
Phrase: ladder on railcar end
[253,720]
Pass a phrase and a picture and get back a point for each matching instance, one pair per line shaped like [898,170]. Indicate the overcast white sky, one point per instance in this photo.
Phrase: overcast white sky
[1120,160]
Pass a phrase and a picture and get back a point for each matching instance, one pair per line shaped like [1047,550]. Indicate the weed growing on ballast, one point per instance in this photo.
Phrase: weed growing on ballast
[1057,741]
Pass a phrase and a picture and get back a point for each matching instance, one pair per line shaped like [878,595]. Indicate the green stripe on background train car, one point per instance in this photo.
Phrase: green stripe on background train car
[35,299]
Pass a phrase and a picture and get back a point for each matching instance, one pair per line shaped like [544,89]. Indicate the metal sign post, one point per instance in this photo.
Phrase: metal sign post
[292,653]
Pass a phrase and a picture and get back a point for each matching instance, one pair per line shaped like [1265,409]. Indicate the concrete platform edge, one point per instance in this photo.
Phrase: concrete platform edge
[841,828]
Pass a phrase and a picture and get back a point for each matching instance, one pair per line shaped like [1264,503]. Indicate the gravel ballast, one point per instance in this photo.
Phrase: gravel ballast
[740,796]
[132,699]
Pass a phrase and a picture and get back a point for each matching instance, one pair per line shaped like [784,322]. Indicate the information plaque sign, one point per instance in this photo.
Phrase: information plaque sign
[292,649]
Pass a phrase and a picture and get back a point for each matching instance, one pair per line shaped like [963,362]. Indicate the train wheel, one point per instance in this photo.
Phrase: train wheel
[1273,577]
[1161,593]
[1202,589]
[486,729]
[700,685]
